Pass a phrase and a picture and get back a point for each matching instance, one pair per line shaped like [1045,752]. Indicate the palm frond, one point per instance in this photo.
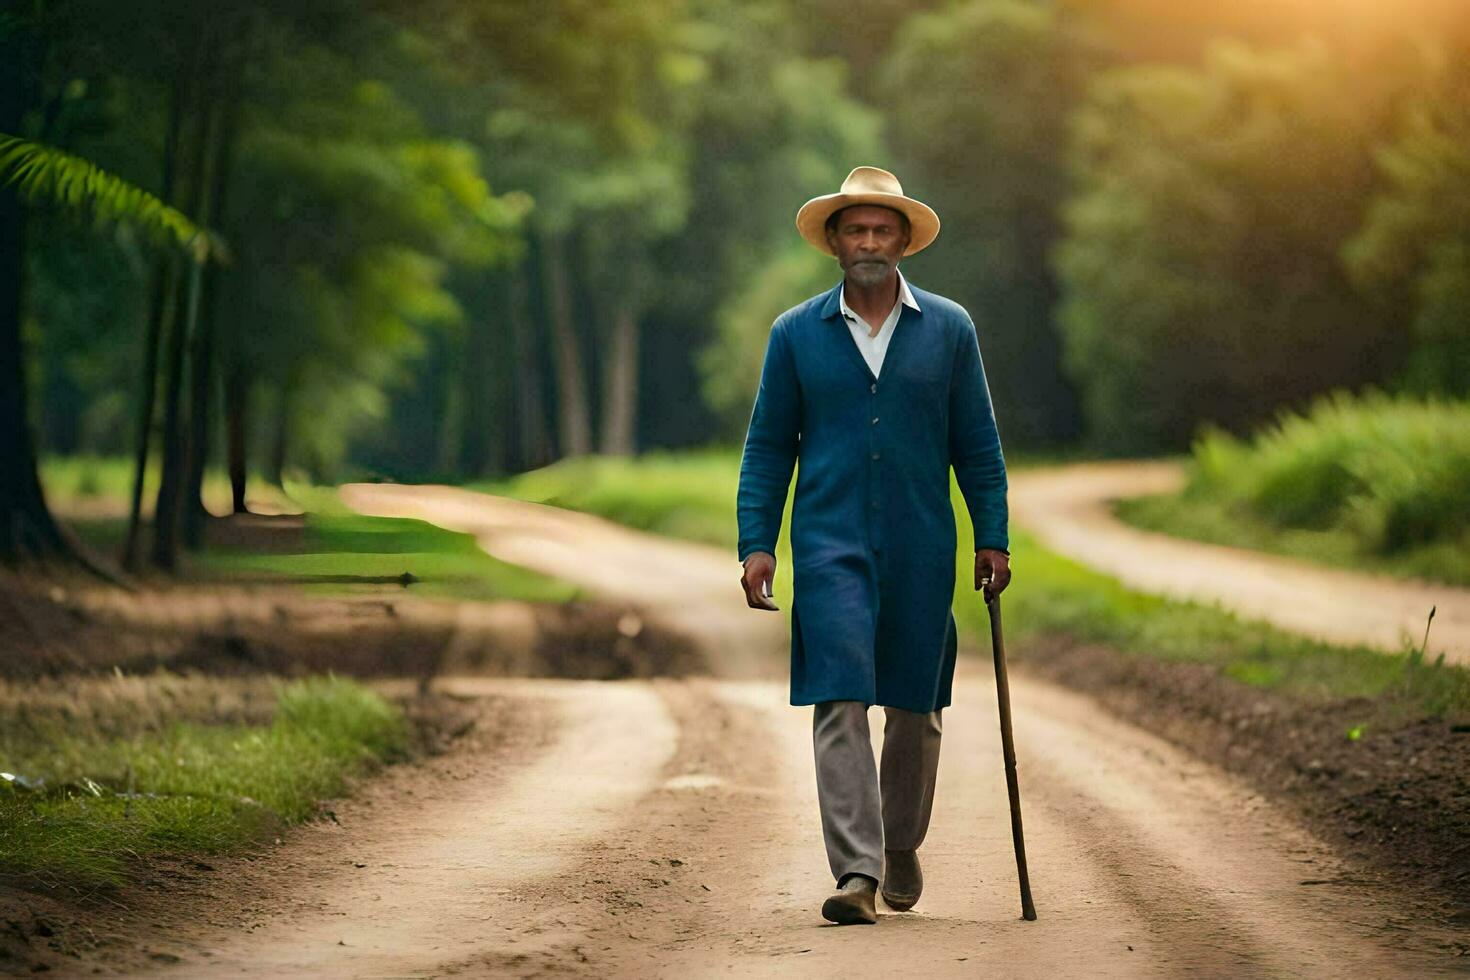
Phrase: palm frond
[44,174]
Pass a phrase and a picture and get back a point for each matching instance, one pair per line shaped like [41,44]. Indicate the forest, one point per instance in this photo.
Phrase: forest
[462,240]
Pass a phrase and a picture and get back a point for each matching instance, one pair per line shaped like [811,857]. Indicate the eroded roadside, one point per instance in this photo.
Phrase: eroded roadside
[1392,795]
[114,661]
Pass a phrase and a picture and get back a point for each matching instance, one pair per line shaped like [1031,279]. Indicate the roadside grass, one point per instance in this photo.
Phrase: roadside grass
[341,551]
[96,784]
[336,550]
[1216,522]
[1371,481]
[1052,594]
[1049,594]
[687,495]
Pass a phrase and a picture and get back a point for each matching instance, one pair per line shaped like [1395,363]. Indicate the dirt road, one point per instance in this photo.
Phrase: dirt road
[1067,507]
[669,829]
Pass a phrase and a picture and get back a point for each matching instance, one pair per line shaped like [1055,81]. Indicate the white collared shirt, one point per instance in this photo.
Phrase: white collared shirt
[874,347]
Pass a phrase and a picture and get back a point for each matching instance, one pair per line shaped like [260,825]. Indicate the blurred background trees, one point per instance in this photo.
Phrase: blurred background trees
[462,239]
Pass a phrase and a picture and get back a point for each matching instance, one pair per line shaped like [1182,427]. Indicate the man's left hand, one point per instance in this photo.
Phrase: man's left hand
[994,566]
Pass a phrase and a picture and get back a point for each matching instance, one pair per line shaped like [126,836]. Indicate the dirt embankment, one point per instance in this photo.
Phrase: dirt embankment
[1391,794]
[74,650]
[79,628]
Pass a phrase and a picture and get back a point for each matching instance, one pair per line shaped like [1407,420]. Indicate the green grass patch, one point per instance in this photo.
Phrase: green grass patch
[1049,594]
[337,551]
[1203,518]
[1370,482]
[687,495]
[1052,594]
[343,552]
[91,799]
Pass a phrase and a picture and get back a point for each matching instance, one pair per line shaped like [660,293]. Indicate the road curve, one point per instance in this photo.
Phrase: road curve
[690,587]
[669,828]
[1068,509]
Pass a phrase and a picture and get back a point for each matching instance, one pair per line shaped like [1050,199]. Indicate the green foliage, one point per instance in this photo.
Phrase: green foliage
[348,227]
[1052,594]
[977,97]
[1352,479]
[419,193]
[771,129]
[348,552]
[44,174]
[731,365]
[687,494]
[100,800]
[1201,264]
[1413,251]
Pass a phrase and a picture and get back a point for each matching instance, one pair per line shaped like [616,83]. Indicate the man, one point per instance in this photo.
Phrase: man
[879,388]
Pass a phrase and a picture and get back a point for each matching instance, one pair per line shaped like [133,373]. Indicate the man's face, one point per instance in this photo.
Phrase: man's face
[869,240]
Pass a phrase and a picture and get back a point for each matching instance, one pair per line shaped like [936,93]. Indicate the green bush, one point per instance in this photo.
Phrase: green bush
[1393,472]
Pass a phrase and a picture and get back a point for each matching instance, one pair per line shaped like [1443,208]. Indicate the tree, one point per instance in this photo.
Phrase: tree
[35,173]
[977,97]
[772,128]
[1412,253]
[1200,268]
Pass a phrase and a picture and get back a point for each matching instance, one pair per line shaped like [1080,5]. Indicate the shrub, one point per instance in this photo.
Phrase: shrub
[1395,472]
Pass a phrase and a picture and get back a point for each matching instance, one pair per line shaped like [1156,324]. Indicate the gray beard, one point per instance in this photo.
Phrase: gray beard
[868,273]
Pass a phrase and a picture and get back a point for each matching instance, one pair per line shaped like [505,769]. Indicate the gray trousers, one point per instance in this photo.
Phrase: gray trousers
[864,809]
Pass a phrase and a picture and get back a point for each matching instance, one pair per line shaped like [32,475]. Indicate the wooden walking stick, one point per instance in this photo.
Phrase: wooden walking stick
[1008,748]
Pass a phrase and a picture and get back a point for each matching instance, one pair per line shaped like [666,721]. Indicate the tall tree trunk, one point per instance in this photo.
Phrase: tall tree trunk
[27,529]
[479,423]
[574,425]
[237,418]
[620,384]
[275,470]
[534,443]
[489,380]
[168,508]
[201,398]
[162,311]
[449,408]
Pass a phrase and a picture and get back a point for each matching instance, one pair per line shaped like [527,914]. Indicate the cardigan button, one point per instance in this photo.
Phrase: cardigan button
[876,455]
[875,420]
[873,388]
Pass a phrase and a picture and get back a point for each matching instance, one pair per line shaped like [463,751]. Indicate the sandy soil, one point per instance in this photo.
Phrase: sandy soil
[668,828]
[1067,507]
[691,588]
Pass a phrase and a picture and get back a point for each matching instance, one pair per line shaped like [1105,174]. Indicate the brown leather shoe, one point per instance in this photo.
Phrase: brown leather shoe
[853,902]
[903,882]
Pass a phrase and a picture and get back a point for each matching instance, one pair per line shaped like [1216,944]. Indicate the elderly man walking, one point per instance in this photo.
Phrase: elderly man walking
[878,387]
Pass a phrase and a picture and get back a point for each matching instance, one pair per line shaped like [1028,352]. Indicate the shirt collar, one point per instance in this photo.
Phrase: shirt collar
[905,296]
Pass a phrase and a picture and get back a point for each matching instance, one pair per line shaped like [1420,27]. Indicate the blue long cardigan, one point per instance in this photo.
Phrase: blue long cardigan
[872,527]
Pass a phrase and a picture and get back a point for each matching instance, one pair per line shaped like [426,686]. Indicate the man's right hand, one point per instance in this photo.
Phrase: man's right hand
[760,570]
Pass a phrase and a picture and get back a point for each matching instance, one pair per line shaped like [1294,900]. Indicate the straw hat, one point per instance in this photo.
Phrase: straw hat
[867,185]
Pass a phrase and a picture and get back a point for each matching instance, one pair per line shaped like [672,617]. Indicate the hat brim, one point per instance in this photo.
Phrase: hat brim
[811,220]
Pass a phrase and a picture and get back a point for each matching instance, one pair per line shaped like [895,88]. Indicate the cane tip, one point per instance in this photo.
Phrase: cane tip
[1029,915]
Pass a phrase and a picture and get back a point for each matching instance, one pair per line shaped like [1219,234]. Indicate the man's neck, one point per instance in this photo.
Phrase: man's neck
[872,303]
